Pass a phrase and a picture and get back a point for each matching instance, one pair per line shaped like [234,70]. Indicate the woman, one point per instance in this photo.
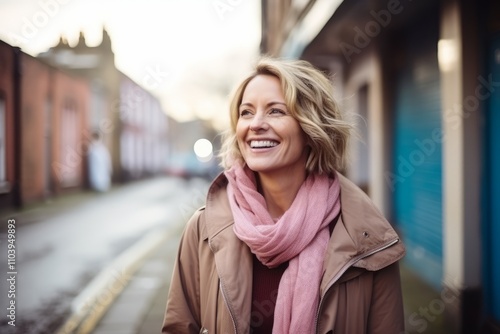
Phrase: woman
[286,244]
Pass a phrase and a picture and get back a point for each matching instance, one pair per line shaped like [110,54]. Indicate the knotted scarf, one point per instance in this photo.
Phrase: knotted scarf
[300,236]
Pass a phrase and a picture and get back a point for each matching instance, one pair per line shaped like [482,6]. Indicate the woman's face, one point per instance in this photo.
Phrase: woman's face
[269,138]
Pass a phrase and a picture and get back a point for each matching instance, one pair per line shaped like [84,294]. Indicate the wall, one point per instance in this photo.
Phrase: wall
[144,130]
[35,94]
[7,94]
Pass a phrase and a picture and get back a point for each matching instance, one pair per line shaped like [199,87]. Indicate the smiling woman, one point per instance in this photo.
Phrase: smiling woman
[285,243]
[305,96]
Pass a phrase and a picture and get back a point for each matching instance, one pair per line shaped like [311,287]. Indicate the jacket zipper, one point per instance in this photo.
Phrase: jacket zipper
[343,270]
[231,312]
[223,292]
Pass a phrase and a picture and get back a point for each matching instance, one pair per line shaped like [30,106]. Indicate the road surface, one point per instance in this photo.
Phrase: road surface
[58,255]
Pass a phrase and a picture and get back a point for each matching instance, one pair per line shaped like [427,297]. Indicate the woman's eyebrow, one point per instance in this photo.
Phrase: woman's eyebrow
[248,104]
[273,103]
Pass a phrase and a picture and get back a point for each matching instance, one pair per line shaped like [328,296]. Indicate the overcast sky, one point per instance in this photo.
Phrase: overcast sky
[198,45]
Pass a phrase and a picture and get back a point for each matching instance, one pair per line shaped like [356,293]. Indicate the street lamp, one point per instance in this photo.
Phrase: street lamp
[203,149]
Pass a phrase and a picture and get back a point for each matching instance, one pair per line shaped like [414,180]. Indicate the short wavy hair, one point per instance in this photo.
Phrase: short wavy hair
[308,97]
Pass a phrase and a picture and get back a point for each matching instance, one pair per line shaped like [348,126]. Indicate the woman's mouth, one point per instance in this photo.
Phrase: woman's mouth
[263,143]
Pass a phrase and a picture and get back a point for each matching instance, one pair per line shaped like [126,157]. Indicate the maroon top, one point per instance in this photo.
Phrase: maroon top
[264,294]
[265,291]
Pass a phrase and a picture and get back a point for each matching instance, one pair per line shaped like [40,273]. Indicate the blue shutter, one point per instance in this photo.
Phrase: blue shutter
[492,184]
[417,160]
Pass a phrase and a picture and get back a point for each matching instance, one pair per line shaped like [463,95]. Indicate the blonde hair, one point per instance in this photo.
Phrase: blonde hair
[308,96]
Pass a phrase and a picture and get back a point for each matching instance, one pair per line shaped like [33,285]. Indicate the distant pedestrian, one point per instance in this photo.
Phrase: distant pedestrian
[99,164]
[285,243]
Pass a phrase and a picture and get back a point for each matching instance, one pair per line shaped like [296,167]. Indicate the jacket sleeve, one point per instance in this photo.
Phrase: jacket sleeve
[182,313]
[386,312]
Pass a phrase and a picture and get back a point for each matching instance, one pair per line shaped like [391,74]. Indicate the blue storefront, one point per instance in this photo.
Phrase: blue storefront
[417,154]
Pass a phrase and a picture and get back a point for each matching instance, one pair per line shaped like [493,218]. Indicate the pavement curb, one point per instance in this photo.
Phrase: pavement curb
[95,299]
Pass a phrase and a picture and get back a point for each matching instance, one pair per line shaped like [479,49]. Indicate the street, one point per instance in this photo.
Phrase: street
[57,256]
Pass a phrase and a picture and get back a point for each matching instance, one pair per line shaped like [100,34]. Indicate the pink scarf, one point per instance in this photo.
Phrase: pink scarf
[300,236]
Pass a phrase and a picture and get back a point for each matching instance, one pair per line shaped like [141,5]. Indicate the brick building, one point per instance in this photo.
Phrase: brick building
[45,115]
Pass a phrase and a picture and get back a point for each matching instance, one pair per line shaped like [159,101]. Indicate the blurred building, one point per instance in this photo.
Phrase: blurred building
[43,115]
[144,128]
[423,78]
[130,118]
[51,105]
[97,65]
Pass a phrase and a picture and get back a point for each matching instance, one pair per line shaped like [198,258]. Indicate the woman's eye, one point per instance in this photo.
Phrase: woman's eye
[244,112]
[277,111]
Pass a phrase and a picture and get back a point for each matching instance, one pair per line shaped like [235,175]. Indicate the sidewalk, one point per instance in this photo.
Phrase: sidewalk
[140,307]
[424,307]
[53,206]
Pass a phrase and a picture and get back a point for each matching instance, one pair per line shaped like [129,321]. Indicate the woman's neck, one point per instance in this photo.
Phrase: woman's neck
[279,191]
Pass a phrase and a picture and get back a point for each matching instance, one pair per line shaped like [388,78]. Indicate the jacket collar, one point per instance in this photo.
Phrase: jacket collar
[218,210]
[362,237]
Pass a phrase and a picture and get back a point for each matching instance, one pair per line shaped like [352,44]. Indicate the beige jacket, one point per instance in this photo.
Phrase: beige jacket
[360,292]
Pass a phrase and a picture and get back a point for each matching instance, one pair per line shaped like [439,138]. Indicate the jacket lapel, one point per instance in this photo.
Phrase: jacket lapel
[362,237]
[233,258]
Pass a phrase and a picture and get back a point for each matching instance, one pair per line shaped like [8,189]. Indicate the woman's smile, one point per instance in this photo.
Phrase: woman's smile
[261,144]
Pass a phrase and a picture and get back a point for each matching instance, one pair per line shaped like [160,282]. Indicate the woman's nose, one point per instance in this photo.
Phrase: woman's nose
[259,123]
